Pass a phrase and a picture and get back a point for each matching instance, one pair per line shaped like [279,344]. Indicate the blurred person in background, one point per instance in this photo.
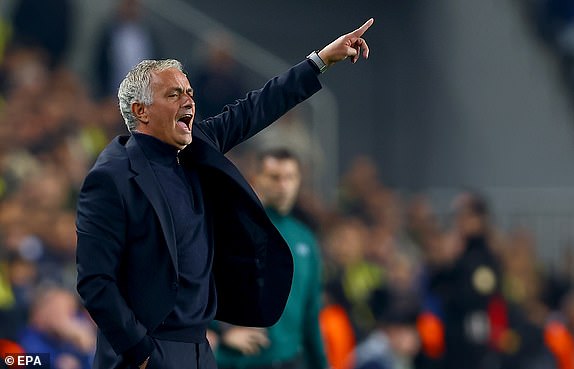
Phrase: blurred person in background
[338,334]
[163,217]
[468,286]
[58,326]
[555,22]
[18,277]
[42,163]
[421,225]
[65,109]
[525,282]
[295,340]
[46,25]
[20,250]
[400,288]
[394,343]
[358,185]
[218,78]
[123,41]
[350,278]
[559,333]
[293,131]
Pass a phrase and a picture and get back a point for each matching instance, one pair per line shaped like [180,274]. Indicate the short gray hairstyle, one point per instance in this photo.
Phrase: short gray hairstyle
[136,86]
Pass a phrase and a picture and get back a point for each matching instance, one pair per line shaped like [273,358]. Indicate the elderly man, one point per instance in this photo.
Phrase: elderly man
[170,235]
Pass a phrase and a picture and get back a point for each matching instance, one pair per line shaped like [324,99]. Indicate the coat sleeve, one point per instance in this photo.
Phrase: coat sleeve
[244,118]
[100,227]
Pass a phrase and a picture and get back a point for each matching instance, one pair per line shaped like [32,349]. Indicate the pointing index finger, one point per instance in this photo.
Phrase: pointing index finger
[359,31]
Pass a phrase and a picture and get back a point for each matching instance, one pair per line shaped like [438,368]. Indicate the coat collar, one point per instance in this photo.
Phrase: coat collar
[146,179]
[202,153]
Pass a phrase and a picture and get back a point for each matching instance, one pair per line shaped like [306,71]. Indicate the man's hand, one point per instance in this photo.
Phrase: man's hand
[212,339]
[249,341]
[74,331]
[349,45]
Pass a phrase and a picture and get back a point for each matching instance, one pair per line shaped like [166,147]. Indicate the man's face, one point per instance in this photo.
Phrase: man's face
[170,116]
[278,182]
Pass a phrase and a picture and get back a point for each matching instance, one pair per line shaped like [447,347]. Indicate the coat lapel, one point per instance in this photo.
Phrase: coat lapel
[201,153]
[147,181]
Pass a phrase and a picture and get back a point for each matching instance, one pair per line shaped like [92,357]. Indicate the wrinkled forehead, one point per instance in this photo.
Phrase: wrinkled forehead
[169,78]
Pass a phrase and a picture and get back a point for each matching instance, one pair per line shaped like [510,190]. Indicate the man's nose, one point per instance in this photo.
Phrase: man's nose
[189,103]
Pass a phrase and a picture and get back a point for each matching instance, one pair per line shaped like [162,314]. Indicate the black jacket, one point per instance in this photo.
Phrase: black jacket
[126,252]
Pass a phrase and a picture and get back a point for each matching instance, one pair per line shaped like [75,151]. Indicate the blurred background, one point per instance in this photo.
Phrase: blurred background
[457,131]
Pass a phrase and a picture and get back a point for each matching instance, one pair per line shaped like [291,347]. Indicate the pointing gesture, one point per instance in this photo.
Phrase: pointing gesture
[348,45]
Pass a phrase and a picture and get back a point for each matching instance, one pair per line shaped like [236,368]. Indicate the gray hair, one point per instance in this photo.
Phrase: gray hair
[136,86]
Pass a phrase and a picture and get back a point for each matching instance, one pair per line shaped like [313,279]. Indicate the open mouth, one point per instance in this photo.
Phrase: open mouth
[185,121]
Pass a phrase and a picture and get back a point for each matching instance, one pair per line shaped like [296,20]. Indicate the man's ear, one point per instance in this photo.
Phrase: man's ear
[139,110]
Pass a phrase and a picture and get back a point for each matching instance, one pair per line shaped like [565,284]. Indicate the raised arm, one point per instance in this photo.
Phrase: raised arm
[246,117]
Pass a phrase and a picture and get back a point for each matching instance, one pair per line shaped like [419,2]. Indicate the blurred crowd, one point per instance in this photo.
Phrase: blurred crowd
[403,286]
[442,292]
[51,129]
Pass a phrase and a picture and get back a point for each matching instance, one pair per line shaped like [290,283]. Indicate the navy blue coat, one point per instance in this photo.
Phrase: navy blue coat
[127,282]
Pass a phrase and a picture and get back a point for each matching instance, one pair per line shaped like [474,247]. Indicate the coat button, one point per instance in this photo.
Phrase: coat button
[174,286]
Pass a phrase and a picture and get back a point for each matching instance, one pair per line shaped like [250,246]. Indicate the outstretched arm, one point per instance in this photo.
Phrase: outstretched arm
[348,45]
[247,116]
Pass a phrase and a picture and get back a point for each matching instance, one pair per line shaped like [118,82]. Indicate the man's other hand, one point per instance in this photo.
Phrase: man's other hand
[247,340]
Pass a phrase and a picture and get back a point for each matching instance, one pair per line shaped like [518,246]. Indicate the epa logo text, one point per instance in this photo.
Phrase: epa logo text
[27,360]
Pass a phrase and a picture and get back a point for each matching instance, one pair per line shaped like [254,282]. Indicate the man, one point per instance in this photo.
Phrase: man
[394,342]
[295,339]
[468,287]
[164,218]
[57,327]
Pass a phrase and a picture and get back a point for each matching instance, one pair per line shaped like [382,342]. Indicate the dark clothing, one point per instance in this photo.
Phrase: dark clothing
[217,86]
[120,44]
[32,340]
[296,337]
[181,355]
[190,315]
[44,24]
[129,272]
[466,291]
[296,363]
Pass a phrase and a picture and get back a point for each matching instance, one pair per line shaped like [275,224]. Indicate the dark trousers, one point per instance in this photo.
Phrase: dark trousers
[181,355]
[296,363]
